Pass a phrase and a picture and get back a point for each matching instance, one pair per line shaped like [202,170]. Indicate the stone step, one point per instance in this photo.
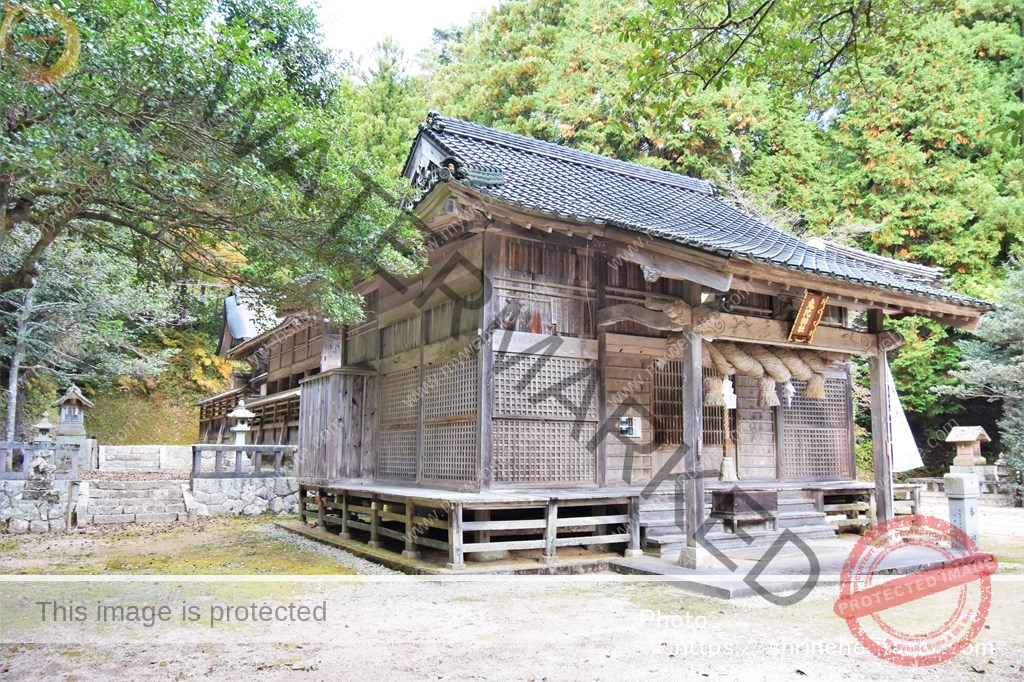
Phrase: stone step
[668,545]
[137,496]
[159,517]
[131,466]
[155,517]
[131,456]
[136,509]
[112,518]
[135,485]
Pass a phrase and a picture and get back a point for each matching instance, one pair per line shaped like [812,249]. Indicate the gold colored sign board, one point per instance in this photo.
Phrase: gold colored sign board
[808,317]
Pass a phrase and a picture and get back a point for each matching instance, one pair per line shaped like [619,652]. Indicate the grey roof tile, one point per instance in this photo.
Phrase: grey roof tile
[562,181]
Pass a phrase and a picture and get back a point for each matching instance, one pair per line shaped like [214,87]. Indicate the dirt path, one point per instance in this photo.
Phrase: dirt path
[388,627]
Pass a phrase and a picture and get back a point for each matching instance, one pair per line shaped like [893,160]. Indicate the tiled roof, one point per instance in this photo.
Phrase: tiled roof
[565,182]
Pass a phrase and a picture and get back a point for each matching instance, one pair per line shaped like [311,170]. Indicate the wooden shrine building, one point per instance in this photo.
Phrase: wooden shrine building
[277,354]
[560,374]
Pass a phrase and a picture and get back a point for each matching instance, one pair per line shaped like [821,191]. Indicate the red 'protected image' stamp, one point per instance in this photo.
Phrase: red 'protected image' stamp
[940,628]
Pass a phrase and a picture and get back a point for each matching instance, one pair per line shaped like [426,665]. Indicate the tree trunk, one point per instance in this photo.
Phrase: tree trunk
[20,341]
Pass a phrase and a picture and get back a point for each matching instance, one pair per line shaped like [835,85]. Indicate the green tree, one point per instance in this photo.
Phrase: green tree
[387,105]
[895,147]
[202,135]
[85,319]
[993,365]
[803,47]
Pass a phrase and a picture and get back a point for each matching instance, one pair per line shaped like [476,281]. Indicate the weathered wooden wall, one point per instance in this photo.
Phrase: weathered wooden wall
[337,438]
[755,437]
[294,356]
[460,407]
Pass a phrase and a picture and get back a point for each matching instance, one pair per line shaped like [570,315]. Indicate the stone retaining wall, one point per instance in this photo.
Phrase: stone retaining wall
[249,496]
[149,457]
[18,515]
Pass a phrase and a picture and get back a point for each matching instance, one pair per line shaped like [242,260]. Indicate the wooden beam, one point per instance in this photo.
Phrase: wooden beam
[675,268]
[747,329]
[878,368]
[630,312]
[544,344]
[943,311]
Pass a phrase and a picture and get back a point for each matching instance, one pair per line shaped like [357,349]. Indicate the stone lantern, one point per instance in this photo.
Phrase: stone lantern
[969,459]
[968,441]
[39,485]
[43,429]
[241,415]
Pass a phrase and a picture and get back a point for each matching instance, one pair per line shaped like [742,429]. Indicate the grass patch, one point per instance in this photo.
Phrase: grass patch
[129,419]
[233,546]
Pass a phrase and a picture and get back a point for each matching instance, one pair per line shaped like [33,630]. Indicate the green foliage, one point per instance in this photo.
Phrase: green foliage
[801,47]
[237,172]
[89,315]
[993,365]
[897,151]
[386,107]
[160,409]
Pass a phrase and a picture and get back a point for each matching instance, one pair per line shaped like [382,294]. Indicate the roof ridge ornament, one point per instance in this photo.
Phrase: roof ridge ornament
[434,121]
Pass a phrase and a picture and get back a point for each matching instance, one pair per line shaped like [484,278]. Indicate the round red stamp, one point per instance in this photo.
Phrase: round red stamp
[921,618]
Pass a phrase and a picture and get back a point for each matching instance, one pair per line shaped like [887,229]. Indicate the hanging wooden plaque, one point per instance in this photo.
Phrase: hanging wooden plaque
[808,317]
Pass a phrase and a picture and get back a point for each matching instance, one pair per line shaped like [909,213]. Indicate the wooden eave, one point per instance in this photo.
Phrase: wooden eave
[609,238]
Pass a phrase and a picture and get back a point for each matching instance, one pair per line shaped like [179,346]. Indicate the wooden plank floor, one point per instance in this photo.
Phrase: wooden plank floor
[540,495]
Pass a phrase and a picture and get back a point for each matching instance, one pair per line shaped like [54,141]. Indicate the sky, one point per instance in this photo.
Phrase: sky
[351,26]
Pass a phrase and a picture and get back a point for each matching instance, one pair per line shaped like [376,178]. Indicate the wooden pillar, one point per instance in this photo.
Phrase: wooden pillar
[693,555]
[880,436]
[374,522]
[490,249]
[344,535]
[600,285]
[455,556]
[410,530]
[320,511]
[550,532]
[634,528]
[301,494]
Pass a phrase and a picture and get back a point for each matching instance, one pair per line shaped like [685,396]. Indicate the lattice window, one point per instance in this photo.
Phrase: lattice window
[667,409]
[450,451]
[396,452]
[399,396]
[560,388]
[532,451]
[667,403]
[451,388]
[817,434]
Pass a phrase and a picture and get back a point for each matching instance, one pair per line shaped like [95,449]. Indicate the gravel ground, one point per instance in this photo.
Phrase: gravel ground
[343,558]
[382,626]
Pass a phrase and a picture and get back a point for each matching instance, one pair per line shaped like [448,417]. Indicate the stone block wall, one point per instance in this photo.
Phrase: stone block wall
[249,496]
[18,515]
